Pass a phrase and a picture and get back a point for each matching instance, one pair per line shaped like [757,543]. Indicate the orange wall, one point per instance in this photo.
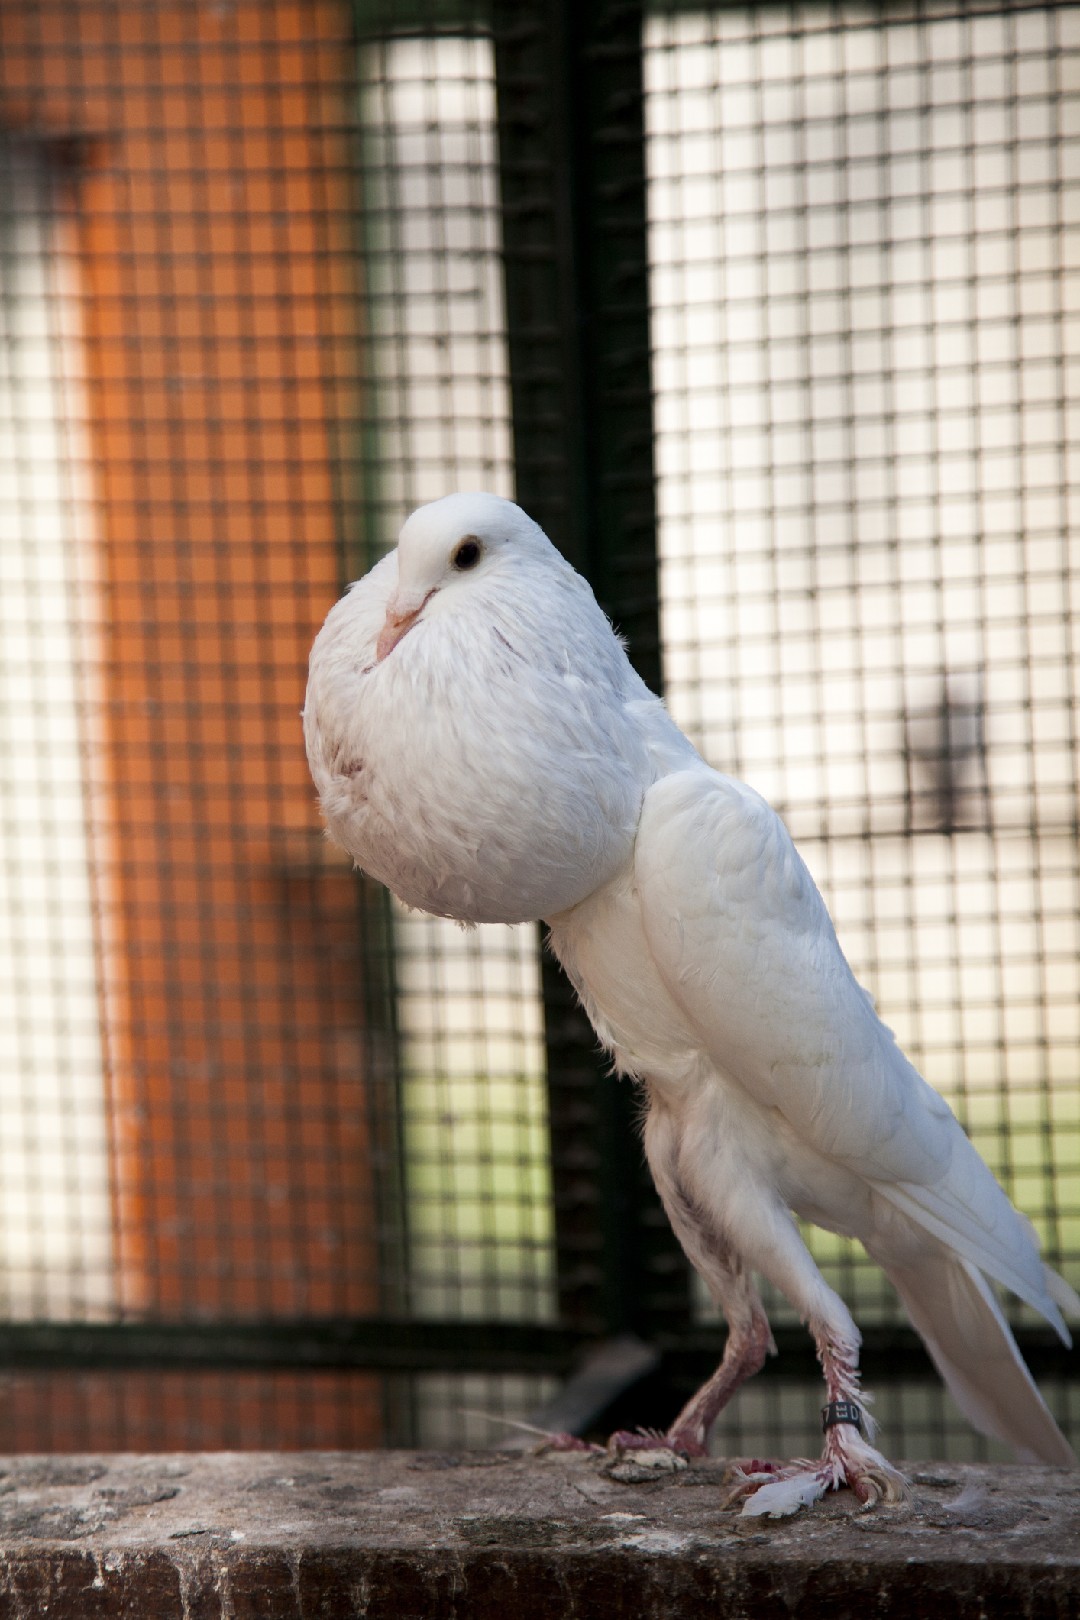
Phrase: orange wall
[213,202]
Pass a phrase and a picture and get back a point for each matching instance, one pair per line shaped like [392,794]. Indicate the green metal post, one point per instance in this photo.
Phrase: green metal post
[571,160]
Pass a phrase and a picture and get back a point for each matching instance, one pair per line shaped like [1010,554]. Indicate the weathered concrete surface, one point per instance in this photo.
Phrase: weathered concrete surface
[497,1535]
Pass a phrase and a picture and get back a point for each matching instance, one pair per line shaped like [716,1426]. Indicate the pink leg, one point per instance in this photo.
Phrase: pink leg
[749,1341]
[772,1245]
[847,1456]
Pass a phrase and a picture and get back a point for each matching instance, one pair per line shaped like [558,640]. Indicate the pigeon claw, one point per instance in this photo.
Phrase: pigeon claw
[882,1484]
[776,1491]
[651,1440]
[561,1440]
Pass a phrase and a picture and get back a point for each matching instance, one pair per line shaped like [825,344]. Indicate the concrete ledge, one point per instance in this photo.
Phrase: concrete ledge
[419,1536]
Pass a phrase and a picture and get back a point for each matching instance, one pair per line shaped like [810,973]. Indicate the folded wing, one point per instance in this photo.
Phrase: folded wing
[743,942]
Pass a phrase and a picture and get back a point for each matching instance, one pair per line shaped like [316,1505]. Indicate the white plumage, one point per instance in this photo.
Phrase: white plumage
[482,745]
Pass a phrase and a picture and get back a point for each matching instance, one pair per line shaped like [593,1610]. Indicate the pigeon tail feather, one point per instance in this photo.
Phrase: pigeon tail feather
[1015,1268]
[954,1309]
[1064,1295]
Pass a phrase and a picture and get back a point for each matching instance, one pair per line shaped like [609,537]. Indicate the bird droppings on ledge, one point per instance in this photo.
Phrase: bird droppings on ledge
[484,1535]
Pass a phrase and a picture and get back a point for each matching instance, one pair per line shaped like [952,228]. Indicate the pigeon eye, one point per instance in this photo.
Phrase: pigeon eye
[467,554]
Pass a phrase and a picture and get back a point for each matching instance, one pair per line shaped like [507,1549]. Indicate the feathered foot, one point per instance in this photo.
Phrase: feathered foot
[681,1443]
[749,1341]
[624,1442]
[847,1457]
[562,1441]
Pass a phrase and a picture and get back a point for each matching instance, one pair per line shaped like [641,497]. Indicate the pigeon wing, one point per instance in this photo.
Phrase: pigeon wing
[743,942]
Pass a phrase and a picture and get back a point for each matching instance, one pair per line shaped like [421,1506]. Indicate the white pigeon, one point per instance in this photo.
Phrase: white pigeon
[482,745]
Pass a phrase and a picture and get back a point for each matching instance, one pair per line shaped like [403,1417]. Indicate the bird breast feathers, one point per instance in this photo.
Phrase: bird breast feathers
[475,779]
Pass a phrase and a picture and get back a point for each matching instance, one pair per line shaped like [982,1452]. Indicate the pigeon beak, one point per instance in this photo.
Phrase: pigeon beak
[400,619]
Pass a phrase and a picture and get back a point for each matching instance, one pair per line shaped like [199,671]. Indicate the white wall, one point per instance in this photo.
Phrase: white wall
[55,1243]
[469,1006]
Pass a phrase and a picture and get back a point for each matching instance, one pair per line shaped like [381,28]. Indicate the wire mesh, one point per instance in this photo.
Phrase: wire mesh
[477,1185]
[55,1222]
[194,1069]
[253,309]
[244,331]
[864,251]
[469,1009]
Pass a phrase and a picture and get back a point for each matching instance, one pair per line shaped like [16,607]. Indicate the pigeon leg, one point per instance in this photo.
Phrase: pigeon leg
[847,1457]
[847,1453]
[749,1339]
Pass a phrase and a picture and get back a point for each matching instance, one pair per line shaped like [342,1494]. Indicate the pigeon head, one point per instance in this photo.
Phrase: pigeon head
[444,547]
[491,767]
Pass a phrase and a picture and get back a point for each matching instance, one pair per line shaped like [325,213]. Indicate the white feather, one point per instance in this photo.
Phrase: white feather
[783,1497]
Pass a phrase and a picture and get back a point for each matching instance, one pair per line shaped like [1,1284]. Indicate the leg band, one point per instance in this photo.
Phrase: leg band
[840,1412]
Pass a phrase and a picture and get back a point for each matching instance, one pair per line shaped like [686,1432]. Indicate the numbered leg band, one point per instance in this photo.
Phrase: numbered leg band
[840,1412]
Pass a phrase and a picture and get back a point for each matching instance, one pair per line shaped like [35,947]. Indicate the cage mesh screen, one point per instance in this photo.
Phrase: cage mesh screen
[195,1093]
[469,1004]
[55,1221]
[251,313]
[474,1128]
[865,284]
